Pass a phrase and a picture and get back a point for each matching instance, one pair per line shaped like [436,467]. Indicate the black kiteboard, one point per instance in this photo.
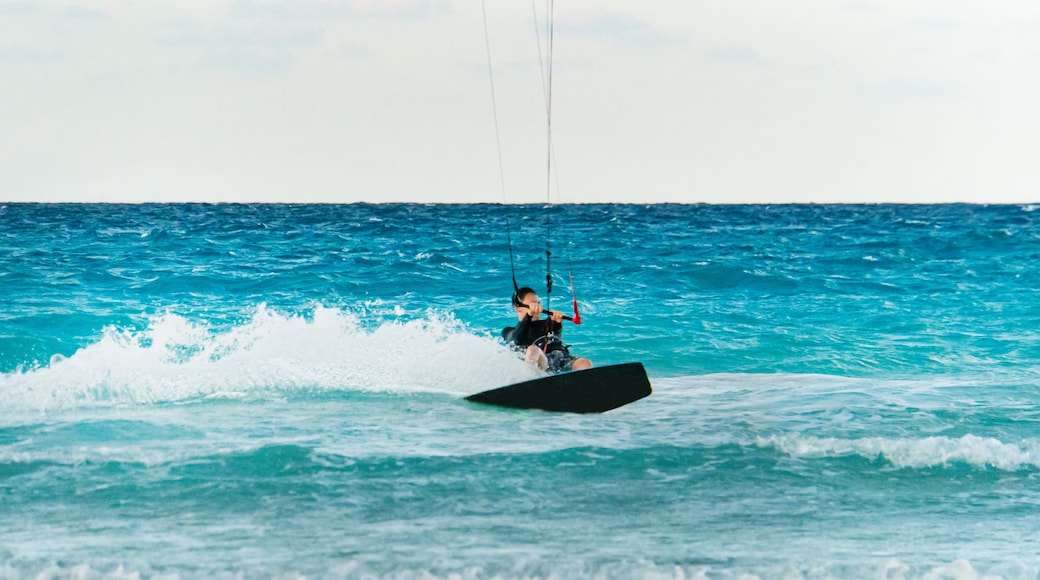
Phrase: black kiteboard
[592,390]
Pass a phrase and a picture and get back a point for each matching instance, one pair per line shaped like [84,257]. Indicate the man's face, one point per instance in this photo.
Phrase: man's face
[529,300]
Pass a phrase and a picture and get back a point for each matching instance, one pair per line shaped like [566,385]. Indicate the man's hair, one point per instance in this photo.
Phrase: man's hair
[521,293]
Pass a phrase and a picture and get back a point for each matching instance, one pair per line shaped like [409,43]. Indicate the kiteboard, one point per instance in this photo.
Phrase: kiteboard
[592,390]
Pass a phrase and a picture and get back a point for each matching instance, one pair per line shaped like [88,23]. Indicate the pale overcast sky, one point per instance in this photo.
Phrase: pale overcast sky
[389,100]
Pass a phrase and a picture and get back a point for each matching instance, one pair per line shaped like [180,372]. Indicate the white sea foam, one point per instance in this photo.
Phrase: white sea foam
[176,359]
[916,453]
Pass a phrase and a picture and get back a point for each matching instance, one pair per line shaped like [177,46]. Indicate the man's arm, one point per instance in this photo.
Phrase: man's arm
[513,334]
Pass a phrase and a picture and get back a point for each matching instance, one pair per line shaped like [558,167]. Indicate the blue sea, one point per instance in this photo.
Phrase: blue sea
[277,391]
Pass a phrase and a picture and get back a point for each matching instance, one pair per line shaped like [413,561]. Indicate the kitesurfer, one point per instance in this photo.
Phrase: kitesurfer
[540,338]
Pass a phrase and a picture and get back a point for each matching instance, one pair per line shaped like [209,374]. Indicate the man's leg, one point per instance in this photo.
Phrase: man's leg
[535,356]
[581,363]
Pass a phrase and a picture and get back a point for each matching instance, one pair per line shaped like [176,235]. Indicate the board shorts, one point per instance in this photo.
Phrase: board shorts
[559,361]
[558,355]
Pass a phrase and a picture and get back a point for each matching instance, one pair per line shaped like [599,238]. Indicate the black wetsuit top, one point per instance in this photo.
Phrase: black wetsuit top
[545,334]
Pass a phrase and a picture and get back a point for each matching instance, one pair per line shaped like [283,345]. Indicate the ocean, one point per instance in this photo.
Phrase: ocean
[277,391]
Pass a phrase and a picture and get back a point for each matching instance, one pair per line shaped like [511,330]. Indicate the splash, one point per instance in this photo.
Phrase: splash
[327,349]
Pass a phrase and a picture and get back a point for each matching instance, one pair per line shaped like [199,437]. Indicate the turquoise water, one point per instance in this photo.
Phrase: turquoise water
[197,391]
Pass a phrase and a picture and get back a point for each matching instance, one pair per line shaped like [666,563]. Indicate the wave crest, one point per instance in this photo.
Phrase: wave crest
[916,453]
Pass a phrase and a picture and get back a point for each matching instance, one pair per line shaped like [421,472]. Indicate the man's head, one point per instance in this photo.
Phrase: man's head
[525,297]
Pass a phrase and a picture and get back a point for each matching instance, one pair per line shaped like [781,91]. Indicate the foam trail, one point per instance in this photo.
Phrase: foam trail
[176,359]
[916,453]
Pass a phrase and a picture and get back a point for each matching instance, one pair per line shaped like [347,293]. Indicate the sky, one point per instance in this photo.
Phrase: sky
[688,101]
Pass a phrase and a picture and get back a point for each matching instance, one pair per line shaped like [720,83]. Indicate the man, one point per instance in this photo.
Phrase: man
[540,339]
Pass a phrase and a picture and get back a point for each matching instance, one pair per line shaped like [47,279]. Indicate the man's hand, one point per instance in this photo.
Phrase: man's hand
[534,310]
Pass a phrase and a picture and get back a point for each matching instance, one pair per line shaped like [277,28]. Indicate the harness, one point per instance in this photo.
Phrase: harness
[551,343]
